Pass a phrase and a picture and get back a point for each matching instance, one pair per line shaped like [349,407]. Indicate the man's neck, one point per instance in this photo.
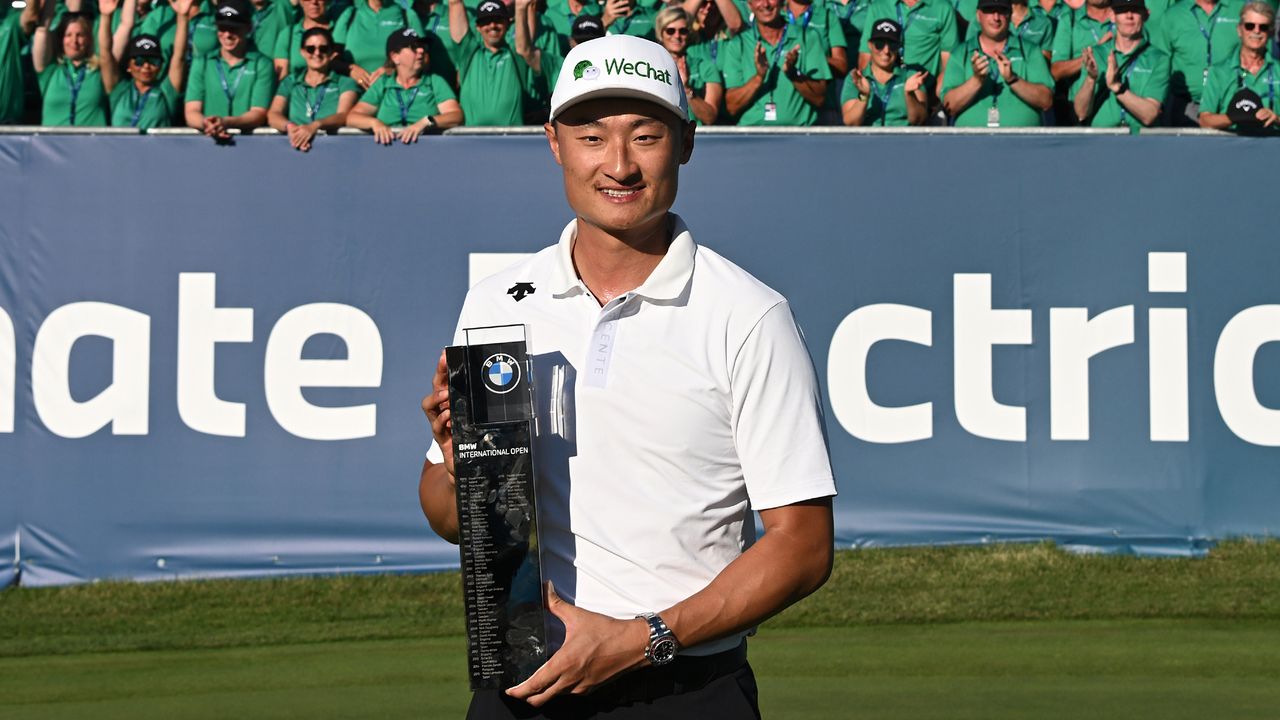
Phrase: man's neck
[315,77]
[375,5]
[1128,43]
[910,3]
[232,57]
[1019,14]
[798,8]
[1252,60]
[406,78]
[612,265]
[771,32]
[142,87]
[308,23]
[1208,6]
[990,46]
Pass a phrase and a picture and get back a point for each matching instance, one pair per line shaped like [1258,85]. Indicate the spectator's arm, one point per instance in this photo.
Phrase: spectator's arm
[1145,109]
[183,9]
[1082,101]
[120,39]
[1215,121]
[275,114]
[107,64]
[917,102]
[193,112]
[338,119]
[1034,94]
[733,20]
[458,24]
[853,111]
[942,71]
[30,17]
[524,44]
[74,6]
[41,49]
[1066,69]
[838,60]
[738,98]
[256,117]
[450,114]
[959,98]
[813,90]
[707,108]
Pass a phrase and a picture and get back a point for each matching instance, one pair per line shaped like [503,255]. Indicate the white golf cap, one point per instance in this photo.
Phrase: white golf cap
[619,66]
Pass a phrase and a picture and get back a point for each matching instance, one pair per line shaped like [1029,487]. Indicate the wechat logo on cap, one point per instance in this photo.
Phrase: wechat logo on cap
[585,70]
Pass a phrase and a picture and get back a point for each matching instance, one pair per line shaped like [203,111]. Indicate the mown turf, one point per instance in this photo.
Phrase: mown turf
[1122,669]
[1237,580]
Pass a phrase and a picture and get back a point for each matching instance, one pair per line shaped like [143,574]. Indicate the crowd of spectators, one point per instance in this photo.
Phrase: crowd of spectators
[402,68]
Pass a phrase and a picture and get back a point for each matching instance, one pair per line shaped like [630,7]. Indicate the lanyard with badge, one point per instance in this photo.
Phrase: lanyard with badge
[904,21]
[805,17]
[1208,39]
[230,90]
[885,96]
[1128,72]
[771,107]
[139,102]
[313,108]
[73,86]
[405,106]
[1271,85]
[993,69]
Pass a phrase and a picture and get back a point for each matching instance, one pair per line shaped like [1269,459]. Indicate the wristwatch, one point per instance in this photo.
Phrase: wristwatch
[431,122]
[663,645]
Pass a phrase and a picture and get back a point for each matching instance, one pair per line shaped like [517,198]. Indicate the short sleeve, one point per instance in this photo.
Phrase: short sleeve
[1062,39]
[848,90]
[281,49]
[375,93]
[777,415]
[342,27]
[835,33]
[440,88]
[263,84]
[346,85]
[195,80]
[1158,84]
[1211,98]
[731,59]
[1037,67]
[957,70]
[286,87]
[710,73]
[949,32]
[815,59]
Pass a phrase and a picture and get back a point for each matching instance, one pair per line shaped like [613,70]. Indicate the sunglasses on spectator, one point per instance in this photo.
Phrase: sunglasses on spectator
[488,21]
[882,44]
[152,61]
[675,31]
[1257,27]
[313,49]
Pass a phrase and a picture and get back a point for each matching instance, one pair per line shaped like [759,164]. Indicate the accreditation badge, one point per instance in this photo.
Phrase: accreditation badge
[993,117]
[771,112]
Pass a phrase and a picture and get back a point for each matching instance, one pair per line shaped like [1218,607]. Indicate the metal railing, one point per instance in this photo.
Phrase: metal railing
[705,130]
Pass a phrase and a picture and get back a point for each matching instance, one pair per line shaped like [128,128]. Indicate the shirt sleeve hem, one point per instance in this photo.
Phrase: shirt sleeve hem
[811,490]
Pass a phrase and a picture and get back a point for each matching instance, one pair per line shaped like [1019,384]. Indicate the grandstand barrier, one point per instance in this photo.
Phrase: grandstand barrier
[211,358]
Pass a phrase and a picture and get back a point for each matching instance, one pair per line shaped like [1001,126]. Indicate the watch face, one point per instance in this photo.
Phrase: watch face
[664,651]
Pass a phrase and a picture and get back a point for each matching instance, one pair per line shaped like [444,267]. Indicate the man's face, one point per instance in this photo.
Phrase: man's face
[493,30]
[1129,22]
[621,160]
[1254,30]
[314,9]
[1099,3]
[994,23]
[766,11]
[231,37]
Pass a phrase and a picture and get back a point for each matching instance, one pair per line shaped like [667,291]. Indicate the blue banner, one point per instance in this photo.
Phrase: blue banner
[212,358]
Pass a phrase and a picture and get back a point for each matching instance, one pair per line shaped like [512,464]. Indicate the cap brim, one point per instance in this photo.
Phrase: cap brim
[614,91]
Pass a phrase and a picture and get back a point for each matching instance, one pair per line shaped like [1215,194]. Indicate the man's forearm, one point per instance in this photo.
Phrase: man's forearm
[813,91]
[1082,103]
[791,561]
[1036,95]
[737,99]
[1144,108]
[1064,69]
[959,98]
[437,495]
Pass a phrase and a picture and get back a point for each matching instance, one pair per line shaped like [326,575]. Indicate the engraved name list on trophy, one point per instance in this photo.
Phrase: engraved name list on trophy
[491,406]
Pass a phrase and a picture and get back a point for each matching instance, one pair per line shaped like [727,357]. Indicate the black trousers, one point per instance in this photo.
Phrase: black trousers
[719,686]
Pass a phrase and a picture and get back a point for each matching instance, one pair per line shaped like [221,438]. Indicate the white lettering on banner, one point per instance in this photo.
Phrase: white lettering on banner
[1074,338]
[201,326]
[8,371]
[978,329]
[123,403]
[1233,382]
[286,372]
[1169,379]
[847,379]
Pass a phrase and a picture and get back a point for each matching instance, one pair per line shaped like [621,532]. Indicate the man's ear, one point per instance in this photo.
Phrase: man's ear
[553,140]
[686,150]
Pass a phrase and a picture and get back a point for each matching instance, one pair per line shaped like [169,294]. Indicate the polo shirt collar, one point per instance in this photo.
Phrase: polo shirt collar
[667,281]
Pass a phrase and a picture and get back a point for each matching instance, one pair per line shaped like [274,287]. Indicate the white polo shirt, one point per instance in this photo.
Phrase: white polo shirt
[664,418]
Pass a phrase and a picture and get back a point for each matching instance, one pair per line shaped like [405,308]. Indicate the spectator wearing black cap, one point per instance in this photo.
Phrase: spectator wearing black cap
[584,28]
[817,16]
[885,93]
[76,79]
[316,98]
[363,28]
[561,15]
[703,82]
[147,99]
[1125,79]
[775,73]
[496,81]
[14,29]
[1244,94]
[1030,23]
[1004,83]
[409,96]
[231,87]
[929,32]
[630,17]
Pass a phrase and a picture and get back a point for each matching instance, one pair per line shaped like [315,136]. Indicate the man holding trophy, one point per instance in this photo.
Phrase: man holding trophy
[672,396]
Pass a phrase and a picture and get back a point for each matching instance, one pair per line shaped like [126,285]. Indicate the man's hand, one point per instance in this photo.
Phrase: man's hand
[981,66]
[436,405]
[1113,82]
[106,7]
[682,64]
[1005,66]
[914,82]
[1267,117]
[214,128]
[614,9]
[362,77]
[762,61]
[789,61]
[187,8]
[596,649]
[1090,64]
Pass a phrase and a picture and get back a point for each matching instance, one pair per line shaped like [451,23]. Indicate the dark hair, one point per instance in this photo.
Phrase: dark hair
[323,32]
[67,19]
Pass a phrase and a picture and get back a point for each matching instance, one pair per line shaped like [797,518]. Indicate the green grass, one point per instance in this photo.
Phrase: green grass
[962,632]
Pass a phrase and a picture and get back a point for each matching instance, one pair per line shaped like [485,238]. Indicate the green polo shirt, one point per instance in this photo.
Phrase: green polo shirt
[888,103]
[738,63]
[364,33]
[822,21]
[11,41]
[493,85]
[163,23]
[928,29]
[1227,79]
[418,102]
[1076,32]
[248,83]
[1036,29]
[1028,64]
[269,22]
[306,103]
[703,70]
[60,83]
[1196,41]
[1146,69]
[131,107]
[851,15]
